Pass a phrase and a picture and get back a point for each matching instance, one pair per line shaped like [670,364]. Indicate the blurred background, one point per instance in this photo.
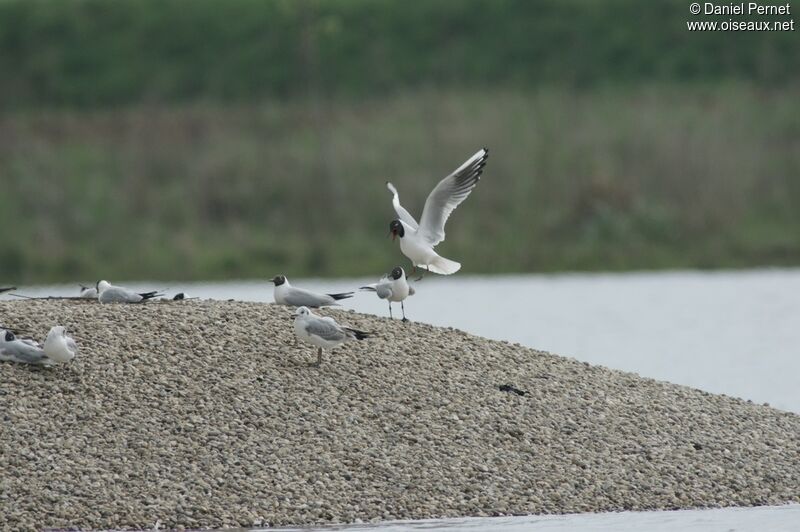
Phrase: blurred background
[203,140]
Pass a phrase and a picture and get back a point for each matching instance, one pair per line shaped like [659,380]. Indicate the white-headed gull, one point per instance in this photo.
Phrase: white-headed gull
[324,333]
[108,293]
[58,346]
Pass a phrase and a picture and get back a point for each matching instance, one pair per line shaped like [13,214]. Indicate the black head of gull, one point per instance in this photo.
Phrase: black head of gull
[396,229]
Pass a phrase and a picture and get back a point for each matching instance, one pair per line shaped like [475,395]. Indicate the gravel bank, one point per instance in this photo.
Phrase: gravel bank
[183,412]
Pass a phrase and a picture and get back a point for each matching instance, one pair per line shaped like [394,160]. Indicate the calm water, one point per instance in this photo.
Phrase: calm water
[764,519]
[736,333]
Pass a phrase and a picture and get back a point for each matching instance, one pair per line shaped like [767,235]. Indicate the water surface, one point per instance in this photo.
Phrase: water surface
[761,519]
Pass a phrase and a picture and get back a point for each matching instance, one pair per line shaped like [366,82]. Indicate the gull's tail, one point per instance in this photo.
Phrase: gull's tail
[442,266]
[358,335]
[343,295]
[7,289]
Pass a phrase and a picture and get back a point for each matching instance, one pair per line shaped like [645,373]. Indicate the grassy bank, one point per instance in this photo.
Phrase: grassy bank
[92,53]
[646,177]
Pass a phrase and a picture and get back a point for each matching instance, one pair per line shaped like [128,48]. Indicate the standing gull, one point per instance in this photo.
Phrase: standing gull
[393,287]
[417,240]
[322,332]
[286,294]
[108,293]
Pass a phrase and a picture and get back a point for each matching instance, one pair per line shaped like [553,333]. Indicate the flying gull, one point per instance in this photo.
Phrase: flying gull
[417,240]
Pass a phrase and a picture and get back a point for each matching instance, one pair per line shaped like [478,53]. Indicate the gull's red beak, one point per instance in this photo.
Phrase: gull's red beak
[394,235]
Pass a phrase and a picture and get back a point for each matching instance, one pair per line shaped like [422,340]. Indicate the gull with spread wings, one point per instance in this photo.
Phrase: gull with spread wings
[417,240]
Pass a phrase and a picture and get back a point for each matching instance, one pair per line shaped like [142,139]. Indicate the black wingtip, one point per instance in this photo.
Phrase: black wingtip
[150,295]
[343,295]
[360,335]
[369,288]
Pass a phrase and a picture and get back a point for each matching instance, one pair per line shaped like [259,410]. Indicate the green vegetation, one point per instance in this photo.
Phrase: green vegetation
[686,178]
[100,52]
[201,139]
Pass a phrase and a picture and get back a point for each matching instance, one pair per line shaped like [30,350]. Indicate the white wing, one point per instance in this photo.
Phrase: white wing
[404,215]
[448,194]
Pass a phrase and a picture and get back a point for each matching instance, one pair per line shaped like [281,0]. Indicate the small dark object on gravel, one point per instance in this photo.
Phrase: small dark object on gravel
[511,389]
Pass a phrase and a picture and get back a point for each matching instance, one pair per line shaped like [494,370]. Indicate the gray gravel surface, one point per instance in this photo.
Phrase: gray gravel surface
[203,414]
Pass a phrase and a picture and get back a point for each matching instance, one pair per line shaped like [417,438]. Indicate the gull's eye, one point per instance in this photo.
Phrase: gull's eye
[9,336]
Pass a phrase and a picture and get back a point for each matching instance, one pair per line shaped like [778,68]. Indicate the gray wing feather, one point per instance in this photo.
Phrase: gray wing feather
[384,290]
[23,352]
[72,345]
[119,295]
[448,195]
[325,329]
[297,297]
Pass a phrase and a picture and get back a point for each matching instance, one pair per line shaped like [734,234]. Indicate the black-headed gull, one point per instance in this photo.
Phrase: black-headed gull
[286,294]
[322,332]
[108,293]
[392,287]
[25,351]
[58,348]
[417,240]
[87,292]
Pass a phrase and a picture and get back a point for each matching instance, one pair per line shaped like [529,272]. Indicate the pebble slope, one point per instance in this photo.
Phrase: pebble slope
[202,414]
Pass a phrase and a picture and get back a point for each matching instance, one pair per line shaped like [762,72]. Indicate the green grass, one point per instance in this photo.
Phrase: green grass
[94,53]
[614,179]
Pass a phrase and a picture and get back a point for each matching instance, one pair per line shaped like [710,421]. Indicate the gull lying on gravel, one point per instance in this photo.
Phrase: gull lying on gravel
[58,347]
[88,292]
[417,240]
[286,294]
[392,287]
[108,293]
[322,332]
